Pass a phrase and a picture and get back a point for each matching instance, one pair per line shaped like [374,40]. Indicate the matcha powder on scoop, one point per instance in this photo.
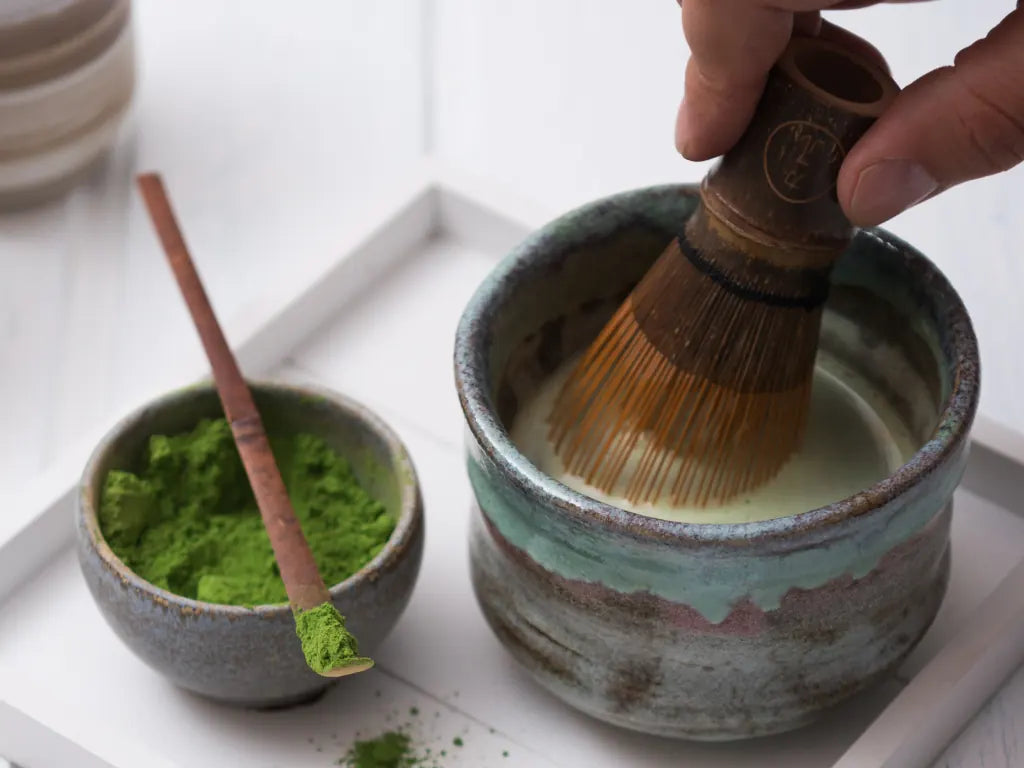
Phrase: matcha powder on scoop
[326,643]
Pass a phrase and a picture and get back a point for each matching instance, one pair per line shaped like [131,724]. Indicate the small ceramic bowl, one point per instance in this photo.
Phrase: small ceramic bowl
[707,631]
[252,657]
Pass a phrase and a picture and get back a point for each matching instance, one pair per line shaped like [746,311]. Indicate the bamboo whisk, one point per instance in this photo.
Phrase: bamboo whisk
[700,384]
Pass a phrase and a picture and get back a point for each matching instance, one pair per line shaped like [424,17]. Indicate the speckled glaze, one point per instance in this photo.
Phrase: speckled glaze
[709,632]
[252,657]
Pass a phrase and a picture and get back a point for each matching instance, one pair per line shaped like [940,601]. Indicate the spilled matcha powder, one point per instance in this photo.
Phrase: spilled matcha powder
[389,750]
[188,523]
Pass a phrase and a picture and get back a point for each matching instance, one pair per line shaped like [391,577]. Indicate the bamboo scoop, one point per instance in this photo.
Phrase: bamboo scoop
[700,385]
[302,580]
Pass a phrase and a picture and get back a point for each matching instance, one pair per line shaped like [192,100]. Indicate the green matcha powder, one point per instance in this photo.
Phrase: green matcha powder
[389,750]
[326,643]
[188,522]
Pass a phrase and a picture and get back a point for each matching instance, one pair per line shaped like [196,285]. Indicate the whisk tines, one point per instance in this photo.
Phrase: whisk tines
[700,411]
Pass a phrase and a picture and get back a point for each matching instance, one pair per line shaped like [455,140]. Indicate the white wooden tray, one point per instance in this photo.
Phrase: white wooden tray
[379,325]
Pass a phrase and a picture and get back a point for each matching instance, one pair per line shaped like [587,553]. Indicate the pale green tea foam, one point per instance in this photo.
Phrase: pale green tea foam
[853,440]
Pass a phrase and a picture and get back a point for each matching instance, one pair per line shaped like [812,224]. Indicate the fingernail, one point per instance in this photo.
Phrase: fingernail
[888,188]
[682,129]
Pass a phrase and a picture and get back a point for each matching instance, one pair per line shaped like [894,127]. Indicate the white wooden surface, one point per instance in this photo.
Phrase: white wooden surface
[277,130]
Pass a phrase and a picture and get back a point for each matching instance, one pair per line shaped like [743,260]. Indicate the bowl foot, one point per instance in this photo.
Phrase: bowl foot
[302,700]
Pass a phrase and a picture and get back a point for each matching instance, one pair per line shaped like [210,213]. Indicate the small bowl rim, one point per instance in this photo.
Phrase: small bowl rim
[395,548]
[952,426]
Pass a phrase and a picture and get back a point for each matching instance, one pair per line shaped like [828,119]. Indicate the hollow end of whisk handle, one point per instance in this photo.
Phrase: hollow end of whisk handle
[777,185]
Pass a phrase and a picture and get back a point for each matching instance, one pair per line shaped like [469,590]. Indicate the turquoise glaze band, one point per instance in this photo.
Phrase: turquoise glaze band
[711,579]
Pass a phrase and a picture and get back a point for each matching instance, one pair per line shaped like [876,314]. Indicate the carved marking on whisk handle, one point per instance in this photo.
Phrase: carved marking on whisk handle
[802,161]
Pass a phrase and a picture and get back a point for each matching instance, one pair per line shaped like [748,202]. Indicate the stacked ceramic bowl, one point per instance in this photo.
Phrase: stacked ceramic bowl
[67,74]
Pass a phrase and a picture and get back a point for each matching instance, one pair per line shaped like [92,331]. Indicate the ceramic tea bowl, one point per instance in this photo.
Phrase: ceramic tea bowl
[707,631]
[242,656]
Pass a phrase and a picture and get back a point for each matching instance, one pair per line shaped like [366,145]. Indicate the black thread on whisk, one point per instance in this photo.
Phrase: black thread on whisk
[817,282]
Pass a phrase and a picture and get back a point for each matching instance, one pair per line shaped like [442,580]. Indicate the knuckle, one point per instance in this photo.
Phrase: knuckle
[992,120]
[989,97]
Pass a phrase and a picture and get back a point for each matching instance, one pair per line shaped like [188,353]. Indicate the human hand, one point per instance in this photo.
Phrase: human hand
[955,124]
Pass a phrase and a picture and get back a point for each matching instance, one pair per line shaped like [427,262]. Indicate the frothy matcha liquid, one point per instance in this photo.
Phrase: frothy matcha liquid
[853,440]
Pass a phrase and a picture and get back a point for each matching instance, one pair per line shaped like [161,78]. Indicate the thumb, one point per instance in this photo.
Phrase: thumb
[954,124]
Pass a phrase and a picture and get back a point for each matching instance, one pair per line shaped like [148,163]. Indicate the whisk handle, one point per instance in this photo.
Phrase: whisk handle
[777,185]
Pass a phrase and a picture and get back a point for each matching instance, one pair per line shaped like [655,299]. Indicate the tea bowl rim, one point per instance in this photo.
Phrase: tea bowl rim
[398,545]
[955,418]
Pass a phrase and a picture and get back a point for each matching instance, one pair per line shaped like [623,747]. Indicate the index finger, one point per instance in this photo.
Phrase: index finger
[733,45]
